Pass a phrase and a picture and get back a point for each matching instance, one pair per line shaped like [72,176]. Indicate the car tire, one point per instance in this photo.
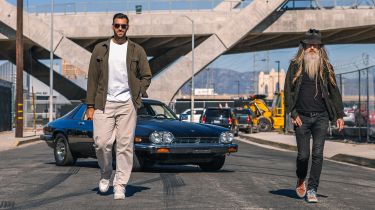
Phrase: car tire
[264,124]
[213,165]
[250,130]
[235,130]
[62,153]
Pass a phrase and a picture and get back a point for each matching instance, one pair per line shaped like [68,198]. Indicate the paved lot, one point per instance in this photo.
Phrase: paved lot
[254,178]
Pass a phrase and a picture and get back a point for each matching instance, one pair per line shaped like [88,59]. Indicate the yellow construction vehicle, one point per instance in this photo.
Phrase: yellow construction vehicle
[267,118]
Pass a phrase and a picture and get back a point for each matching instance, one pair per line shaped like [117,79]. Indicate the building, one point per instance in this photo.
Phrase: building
[71,72]
[268,83]
[32,87]
[5,105]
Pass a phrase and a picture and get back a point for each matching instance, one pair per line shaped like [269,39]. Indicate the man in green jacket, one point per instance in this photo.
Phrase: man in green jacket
[312,98]
[119,75]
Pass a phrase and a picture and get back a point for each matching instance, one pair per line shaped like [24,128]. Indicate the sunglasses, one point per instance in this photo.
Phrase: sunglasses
[313,31]
[316,46]
[123,26]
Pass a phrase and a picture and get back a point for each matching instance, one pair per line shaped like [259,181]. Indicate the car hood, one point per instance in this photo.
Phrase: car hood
[178,128]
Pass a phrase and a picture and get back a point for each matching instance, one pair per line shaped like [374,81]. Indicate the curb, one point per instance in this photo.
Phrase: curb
[361,161]
[354,160]
[26,141]
[270,143]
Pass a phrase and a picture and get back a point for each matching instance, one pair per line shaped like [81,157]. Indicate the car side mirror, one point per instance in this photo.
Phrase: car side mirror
[183,117]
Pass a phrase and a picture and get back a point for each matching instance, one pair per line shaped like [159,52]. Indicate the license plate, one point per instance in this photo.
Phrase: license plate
[216,121]
[201,151]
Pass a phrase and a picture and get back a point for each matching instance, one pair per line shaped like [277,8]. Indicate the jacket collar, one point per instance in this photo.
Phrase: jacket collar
[108,42]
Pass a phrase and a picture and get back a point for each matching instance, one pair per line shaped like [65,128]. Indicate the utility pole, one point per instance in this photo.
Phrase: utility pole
[19,64]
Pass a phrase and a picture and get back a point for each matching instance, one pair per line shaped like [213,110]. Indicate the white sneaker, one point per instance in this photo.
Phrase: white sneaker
[103,185]
[311,196]
[119,192]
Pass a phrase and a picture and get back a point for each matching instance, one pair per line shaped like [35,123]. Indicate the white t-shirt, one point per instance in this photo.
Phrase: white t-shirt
[118,87]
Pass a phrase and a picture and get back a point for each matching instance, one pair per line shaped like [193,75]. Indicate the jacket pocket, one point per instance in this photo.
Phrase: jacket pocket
[134,65]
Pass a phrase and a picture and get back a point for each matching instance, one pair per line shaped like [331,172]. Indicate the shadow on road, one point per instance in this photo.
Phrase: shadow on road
[130,190]
[285,192]
[290,193]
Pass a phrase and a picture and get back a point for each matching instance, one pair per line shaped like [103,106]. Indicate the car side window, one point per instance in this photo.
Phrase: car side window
[80,113]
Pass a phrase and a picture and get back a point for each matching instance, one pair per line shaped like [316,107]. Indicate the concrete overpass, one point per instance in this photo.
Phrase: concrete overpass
[166,36]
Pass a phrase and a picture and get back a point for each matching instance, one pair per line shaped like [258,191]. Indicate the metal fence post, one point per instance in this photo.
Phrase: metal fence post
[359,105]
[368,107]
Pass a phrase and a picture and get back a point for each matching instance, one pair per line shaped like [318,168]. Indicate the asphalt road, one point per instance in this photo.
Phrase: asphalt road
[253,178]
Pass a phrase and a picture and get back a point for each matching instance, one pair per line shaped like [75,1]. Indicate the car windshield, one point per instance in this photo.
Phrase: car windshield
[217,112]
[242,112]
[156,110]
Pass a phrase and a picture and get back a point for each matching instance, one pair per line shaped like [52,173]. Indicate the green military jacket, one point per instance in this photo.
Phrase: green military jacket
[138,69]
[331,94]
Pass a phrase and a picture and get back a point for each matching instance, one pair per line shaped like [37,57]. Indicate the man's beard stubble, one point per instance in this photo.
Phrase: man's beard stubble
[312,63]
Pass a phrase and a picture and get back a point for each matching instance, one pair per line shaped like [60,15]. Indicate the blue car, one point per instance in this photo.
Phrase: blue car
[160,138]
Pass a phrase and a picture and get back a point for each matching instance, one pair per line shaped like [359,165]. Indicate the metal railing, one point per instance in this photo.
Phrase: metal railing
[132,6]
[328,4]
[144,6]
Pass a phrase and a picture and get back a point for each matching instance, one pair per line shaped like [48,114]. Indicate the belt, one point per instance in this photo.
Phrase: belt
[310,114]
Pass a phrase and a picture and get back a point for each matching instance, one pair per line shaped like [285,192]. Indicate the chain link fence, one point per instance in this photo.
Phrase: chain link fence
[358,94]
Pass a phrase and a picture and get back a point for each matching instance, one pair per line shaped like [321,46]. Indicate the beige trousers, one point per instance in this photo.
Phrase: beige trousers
[116,122]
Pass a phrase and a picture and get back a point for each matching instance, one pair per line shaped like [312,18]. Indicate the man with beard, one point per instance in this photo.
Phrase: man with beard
[119,75]
[312,98]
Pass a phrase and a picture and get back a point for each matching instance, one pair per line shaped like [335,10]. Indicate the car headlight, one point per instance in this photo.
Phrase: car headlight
[168,137]
[156,138]
[161,137]
[226,137]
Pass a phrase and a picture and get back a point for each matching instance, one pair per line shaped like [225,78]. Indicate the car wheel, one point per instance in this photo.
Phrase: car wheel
[235,130]
[264,125]
[63,156]
[250,130]
[214,165]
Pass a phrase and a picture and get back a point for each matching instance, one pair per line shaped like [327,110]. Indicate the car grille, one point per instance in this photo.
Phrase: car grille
[203,140]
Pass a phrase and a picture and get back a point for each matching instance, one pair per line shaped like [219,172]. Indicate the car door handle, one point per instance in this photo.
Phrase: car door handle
[81,123]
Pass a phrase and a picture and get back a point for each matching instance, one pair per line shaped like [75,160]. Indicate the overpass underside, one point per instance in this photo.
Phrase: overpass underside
[262,25]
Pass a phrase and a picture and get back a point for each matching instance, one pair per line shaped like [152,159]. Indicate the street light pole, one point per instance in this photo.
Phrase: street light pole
[192,68]
[238,88]
[278,76]
[51,69]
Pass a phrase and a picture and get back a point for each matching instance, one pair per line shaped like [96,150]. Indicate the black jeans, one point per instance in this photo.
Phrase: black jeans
[316,127]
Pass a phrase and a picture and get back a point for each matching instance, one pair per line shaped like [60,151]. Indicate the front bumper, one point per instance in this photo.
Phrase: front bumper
[214,149]
[184,153]
[48,138]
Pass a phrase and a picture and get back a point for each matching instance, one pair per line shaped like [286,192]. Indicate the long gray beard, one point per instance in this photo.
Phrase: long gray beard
[312,62]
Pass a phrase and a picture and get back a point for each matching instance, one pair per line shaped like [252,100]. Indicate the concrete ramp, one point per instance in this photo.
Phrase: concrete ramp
[165,85]
[39,32]
[40,71]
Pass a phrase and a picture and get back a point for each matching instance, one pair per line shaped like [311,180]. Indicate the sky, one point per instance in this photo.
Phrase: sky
[343,57]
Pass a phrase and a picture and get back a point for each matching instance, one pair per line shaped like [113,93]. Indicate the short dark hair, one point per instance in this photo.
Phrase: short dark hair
[120,16]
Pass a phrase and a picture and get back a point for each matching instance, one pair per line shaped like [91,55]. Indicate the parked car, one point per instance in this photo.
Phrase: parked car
[185,115]
[349,118]
[223,117]
[245,122]
[160,137]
